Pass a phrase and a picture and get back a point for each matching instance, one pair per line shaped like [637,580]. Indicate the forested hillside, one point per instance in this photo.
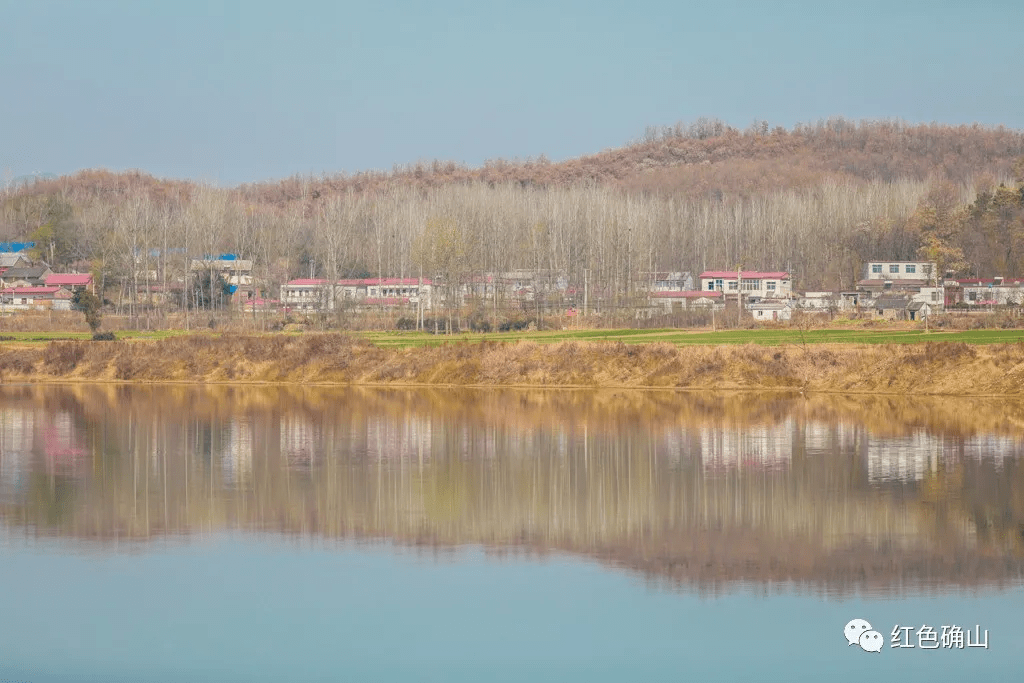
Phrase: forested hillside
[816,200]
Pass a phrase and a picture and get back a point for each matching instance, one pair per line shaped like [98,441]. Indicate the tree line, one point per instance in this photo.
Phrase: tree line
[133,231]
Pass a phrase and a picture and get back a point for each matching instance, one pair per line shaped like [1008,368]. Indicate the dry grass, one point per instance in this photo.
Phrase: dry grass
[932,368]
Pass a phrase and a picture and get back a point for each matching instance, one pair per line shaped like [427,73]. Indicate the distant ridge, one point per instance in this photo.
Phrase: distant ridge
[704,159]
[29,179]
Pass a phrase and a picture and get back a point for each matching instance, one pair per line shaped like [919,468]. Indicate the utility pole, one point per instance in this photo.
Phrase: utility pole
[739,295]
[419,301]
[585,292]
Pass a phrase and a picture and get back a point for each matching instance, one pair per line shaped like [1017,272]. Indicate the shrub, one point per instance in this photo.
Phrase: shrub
[90,305]
[104,336]
[441,323]
[405,323]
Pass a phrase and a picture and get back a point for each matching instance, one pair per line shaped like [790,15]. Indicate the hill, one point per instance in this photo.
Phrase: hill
[817,201]
[703,158]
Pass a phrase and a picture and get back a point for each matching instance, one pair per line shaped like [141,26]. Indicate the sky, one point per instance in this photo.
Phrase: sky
[249,90]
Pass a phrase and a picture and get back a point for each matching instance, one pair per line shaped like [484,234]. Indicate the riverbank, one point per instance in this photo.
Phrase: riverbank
[949,368]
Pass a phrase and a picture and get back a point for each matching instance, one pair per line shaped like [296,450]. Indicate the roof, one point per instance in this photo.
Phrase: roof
[11,260]
[30,272]
[31,290]
[231,264]
[362,282]
[904,282]
[395,281]
[918,305]
[306,282]
[387,301]
[746,275]
[890,302]
[72,279]
[986,281]
[770,304]
[686,295]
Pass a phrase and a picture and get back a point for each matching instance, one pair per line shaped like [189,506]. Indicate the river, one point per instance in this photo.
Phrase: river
[187,533]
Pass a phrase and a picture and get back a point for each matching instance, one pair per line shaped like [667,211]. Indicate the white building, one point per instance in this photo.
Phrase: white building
[996,291]
[671,301]
[752,283]
[315,294]
[900,270]
[771,310]
[668,282]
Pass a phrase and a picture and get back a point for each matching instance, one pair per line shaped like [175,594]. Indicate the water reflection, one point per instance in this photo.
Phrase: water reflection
[839,493]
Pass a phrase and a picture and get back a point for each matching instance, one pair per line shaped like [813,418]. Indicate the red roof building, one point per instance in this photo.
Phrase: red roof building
[79,280]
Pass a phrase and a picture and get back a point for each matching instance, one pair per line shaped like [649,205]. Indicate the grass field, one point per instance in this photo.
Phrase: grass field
[673,336]
[685,338]
[29,337]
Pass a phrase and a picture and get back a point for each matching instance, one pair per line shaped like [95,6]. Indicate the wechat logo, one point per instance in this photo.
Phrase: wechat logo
[859,632]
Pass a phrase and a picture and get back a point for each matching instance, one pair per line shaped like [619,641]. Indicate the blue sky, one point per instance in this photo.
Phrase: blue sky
[248,90]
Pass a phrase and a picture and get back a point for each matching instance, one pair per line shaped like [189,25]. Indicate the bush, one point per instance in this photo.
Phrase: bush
[104,336]
[441,323]
[515,325]
[405,323]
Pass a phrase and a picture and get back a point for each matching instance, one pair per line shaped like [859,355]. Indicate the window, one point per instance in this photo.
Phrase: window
[751,285]
[770,286]
[972,296]
[935,296]
[911,269]
[732,285]
[876,267]
[718,284]
[894,268]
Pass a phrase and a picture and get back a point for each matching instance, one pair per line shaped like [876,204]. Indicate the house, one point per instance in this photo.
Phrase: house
[891,307]
[305,294]
[38,298]
[73,282]
[771,310]
[28,276]
[919,310]
[689,300]
[881,286]
[995,291]
[236,272]
[933,296]
[668,281]
[913,280]
[900,270]
[753,284]
[826,301]
[13,260]
[315,294]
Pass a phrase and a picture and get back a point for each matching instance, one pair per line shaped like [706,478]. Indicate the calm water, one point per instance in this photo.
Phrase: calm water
[227,534]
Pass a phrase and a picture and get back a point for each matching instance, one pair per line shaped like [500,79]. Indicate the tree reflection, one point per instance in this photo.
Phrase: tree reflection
[834,491]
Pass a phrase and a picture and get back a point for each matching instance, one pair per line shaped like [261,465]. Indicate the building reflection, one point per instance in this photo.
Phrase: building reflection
[710,490]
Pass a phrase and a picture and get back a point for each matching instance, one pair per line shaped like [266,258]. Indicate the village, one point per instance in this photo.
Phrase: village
[886,290]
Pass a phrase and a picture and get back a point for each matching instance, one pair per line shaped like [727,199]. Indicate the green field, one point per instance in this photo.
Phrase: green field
[29,337]
[682,338]
[672,336]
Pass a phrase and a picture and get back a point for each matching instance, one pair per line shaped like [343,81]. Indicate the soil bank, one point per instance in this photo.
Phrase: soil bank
[939,368]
